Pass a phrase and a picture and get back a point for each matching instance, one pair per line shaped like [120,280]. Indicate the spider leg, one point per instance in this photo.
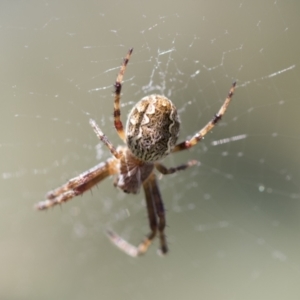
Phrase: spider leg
[103,138]
[118,88]
[122,244]
[154,193]
[155,208]
[128,248]
[165,171]
[78,185]
[209,126]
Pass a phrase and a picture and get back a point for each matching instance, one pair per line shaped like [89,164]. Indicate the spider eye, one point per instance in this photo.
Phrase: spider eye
[152,128]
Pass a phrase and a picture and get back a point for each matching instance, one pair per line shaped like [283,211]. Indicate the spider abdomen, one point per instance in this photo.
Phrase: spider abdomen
[152,128]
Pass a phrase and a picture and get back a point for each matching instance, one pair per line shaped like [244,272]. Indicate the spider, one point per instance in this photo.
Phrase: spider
[151,134]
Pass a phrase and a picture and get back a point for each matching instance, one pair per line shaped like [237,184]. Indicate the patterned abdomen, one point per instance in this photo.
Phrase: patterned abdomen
[152,128]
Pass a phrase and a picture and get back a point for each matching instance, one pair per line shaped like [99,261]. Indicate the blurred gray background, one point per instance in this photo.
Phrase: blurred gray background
[233,222]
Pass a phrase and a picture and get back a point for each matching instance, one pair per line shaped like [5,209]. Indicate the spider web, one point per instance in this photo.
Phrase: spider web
[233,222]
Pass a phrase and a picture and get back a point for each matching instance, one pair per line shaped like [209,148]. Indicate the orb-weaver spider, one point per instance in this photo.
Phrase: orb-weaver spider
[151,134]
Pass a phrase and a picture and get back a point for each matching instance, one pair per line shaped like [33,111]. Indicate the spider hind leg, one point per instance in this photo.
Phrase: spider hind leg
[78,185]
[157,222]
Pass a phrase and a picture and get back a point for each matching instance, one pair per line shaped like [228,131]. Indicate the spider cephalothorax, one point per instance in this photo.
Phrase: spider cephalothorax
[151,134]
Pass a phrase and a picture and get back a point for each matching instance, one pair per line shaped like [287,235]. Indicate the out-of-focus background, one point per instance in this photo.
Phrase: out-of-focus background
[233,222]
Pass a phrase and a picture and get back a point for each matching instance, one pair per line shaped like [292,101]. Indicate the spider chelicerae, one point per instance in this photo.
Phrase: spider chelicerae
[151,134]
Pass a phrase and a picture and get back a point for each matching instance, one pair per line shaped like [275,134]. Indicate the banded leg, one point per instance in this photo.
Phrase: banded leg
[165,171]
[78,185]
[85,181]
[209,126]
[118,88]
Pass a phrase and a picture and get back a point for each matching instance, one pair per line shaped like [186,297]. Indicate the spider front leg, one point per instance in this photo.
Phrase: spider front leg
[118,89]
[209,126]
